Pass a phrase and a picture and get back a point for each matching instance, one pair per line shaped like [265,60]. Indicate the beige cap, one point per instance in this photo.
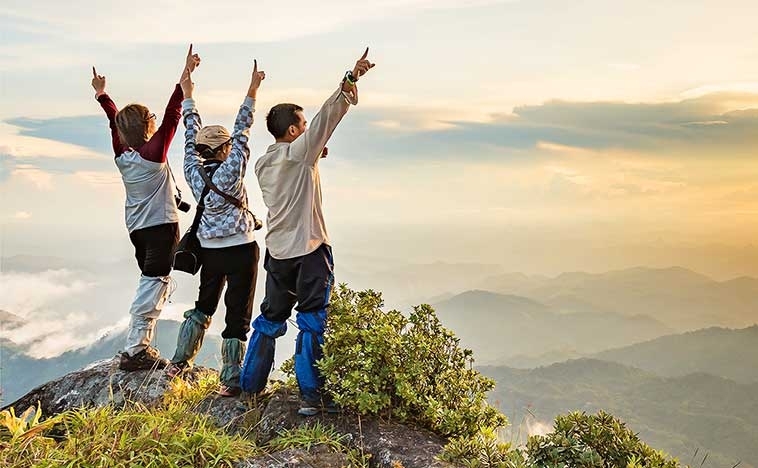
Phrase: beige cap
[213,136]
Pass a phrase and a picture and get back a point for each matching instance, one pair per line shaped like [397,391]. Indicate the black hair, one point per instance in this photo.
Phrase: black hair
[280,117]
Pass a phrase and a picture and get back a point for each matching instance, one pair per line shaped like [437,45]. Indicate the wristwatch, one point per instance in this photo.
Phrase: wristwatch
[350,78]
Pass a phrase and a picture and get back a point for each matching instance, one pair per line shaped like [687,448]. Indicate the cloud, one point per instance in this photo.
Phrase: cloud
[51,326]
[242,21]
[21,215]
[81,132]
[695,124]
[31,174]
[689,128]
[23,293]
[43,139]
[108,180]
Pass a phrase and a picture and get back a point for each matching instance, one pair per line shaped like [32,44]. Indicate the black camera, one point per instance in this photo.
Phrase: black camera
[181,204]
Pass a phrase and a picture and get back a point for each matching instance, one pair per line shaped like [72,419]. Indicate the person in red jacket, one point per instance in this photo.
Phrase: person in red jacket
[152,217]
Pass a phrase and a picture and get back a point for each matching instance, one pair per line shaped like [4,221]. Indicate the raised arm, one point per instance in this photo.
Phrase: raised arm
[193,163]
[98,82]
[308,147]
[232,171]
[156,149]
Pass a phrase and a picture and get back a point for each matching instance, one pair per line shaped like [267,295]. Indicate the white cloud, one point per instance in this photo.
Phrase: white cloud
[101,180]
[232,21]
[748,87]
[23,293]
[52,327]
[22,215]
[33,175]
[20,146]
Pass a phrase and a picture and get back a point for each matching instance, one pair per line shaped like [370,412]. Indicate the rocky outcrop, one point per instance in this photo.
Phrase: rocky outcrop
[390,445]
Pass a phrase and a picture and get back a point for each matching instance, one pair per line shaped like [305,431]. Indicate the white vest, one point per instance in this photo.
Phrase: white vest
[149,191]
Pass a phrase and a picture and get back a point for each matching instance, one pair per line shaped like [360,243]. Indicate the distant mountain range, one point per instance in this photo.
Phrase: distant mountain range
[679,298]
[679,415]
[500,327]
[722,352]
[20,373]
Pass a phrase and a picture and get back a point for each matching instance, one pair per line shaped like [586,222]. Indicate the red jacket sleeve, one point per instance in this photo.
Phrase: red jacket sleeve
[111,110]
[156,149]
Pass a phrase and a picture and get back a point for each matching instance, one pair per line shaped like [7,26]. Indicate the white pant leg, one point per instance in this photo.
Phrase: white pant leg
[148,303]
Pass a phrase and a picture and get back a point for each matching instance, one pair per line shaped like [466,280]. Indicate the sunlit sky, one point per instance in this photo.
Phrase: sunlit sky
[589,122]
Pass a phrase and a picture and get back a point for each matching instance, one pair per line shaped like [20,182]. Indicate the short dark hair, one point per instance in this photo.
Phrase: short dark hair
[280,117]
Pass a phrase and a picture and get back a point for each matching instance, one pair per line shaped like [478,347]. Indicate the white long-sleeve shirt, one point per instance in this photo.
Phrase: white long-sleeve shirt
[289,179]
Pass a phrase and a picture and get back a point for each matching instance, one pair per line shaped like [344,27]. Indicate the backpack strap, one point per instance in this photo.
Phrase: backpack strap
[209,184]
[199,210]
[212,165]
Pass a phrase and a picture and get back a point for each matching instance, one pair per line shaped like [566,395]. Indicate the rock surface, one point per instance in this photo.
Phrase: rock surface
[390,445]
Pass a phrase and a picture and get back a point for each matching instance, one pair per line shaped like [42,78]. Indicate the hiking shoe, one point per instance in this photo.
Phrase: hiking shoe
[313,408]
[175,369]
[148,358]
[227,391]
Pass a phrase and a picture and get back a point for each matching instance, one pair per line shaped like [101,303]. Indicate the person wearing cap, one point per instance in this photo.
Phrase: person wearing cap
[229,252]
[298,260]
[152,218]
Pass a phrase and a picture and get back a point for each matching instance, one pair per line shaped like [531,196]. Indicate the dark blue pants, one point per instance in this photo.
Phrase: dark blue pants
[306,281]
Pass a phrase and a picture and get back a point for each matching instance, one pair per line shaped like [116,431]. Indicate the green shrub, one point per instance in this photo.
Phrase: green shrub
[580,440]
[482,450]
[409,368]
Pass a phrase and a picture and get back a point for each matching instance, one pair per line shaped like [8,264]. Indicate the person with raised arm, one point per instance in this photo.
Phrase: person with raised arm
[298,262]
[215,163]
[151,213]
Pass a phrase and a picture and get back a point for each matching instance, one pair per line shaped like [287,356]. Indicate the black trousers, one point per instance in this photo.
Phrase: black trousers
[237,267]
[154,248]
[305,280]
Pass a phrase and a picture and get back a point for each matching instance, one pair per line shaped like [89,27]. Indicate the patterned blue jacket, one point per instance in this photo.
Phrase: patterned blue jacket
[222,224]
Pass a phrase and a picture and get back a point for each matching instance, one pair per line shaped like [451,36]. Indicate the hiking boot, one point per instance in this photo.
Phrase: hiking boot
[148,358]
[228,391]
[176,369]
[313,408]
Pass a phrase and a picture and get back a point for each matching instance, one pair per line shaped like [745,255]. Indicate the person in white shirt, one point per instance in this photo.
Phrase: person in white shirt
[298,262]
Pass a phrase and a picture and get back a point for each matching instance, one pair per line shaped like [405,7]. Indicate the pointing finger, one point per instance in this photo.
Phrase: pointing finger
[365,54]
[94,73]
[190,50]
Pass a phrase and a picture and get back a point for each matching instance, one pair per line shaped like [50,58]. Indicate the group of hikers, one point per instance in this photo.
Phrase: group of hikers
[298,258]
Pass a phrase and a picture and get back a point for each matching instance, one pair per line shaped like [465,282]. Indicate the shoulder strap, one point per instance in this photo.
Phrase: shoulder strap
[234,201]
[200,208]
[209,184]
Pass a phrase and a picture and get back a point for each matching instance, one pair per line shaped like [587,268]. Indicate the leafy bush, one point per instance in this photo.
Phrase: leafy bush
[483,450]
[170,435]
[593,441]
[409,368]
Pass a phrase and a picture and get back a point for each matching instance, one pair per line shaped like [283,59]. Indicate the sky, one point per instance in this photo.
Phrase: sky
[541,136]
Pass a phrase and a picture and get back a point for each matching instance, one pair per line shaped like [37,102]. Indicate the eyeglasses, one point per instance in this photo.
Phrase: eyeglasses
[151,116]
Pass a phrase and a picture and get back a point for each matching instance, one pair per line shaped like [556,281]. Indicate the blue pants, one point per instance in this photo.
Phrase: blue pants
[306,281]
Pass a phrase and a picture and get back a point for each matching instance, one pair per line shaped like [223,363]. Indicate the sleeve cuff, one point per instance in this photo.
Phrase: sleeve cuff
[249,102]
[101,96]
[188,104]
